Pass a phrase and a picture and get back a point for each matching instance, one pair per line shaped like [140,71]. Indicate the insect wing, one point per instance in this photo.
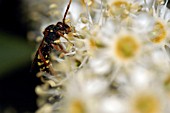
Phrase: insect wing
[34,66]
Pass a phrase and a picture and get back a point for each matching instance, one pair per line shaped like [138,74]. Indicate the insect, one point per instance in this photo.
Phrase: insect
[50,41]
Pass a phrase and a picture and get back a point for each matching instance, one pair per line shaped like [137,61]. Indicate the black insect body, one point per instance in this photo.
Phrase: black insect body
[50,41]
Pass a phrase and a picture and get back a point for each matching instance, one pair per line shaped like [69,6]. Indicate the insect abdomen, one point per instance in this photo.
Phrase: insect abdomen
[42,59]
[43,65]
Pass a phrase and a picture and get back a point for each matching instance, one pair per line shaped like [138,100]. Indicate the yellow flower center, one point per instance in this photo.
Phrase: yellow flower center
[120,8]
[159,33]
[89,2]
[126,47]
[160,1]
[94,44]
[167,84]
[146,104]
[77,107]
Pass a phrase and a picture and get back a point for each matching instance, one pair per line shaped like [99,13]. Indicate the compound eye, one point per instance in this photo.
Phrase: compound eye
[60,24]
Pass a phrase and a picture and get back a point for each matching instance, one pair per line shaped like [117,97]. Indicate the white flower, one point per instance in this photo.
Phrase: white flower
[145,95]
[122,42]
[113,51]
[142,23]
[113,105]
[147,101]
[83,93]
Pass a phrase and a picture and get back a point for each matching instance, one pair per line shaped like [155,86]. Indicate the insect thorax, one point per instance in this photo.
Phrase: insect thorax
[50,34]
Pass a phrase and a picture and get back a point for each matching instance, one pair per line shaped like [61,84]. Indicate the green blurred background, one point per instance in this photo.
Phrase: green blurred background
[16,83]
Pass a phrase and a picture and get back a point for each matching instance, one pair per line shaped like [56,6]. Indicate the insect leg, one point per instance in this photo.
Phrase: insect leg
[42,57]
[59,47]
[65,38]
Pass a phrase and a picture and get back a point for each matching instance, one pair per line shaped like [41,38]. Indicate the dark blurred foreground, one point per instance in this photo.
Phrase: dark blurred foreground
[16,83]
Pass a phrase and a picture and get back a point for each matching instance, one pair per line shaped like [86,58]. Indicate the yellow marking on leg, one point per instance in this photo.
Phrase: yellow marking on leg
[41,69]
[57,41]
[46,56]
[40,63]
[39,57]
[47,61]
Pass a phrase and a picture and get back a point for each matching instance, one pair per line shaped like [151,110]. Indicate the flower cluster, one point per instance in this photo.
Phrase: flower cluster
[119,63]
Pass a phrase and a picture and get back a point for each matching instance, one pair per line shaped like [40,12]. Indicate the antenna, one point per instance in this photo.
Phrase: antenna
[68,6]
